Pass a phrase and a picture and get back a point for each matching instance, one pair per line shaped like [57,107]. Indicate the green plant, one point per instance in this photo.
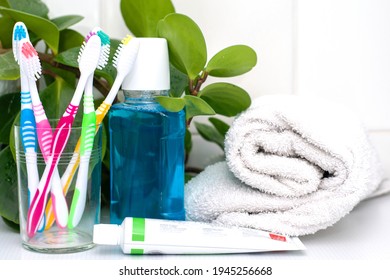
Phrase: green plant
[144,18]
[59,46]
[190,67]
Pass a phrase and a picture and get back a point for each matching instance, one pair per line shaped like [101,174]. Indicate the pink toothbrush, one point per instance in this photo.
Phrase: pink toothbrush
[30,63]
[88,61]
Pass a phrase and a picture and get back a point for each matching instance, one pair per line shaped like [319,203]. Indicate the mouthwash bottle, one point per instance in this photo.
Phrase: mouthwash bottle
[147,142]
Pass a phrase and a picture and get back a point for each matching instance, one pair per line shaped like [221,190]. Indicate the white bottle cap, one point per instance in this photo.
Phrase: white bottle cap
[151,67]
[107,234]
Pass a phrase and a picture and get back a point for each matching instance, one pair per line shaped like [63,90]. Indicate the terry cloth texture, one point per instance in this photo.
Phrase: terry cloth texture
[294,165]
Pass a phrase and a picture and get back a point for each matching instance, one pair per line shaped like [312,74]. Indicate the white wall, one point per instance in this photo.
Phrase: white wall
[342,52]
[333,48]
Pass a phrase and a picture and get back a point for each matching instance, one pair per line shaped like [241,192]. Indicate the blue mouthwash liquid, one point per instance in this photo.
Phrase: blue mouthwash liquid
[146,159]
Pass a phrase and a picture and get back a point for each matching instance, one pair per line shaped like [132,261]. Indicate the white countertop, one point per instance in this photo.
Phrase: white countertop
[364,234]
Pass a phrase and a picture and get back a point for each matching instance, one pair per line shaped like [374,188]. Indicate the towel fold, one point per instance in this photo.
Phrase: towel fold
[294,165]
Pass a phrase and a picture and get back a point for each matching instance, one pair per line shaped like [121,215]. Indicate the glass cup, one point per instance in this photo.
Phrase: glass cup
[53,236]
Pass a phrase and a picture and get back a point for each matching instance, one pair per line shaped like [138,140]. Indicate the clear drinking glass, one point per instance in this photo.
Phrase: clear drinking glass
[50,236]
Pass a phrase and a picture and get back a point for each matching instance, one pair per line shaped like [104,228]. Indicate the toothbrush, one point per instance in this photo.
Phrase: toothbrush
[27,121]
[87,134]
[30,62]
[124,59]
[88,60]
[89,106]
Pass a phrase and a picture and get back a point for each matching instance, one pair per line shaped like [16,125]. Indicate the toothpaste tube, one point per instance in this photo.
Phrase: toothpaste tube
[140,236]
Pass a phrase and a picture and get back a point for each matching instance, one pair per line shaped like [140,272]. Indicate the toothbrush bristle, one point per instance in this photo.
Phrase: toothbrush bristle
[125,54]
[19,33]
[126,40]
[30,61]
[103,58]
[89,35]
[28,50]
[117,55]
[103,37]
[105,47]
[120,50]
[81,51]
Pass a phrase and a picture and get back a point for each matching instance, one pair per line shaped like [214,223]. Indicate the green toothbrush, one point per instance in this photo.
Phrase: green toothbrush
[87,134]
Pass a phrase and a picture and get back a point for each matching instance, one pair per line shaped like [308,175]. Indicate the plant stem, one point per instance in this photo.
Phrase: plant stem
[195,88]
[201,81]
[102,86]
[194,170]
[189,122]
[195,85]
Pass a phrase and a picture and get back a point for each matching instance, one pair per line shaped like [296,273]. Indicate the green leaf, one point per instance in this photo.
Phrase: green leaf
[7,25]
[10,106]
[209,133]
[172,104]
[56,97]
[12,135]
[220,126]
[35,7]
[187,46]
[232,61]
[12,225]
[179,82]
[142,16]
[69,57]
[5,3]
[9,69]
[8,186]
[69,39]
[195,106]
[42,27]
[188,177]
[68,76]
[226,99]
[188,142]
[64,22]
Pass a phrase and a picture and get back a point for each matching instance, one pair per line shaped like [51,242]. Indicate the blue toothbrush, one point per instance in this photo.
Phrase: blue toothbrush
[27,119]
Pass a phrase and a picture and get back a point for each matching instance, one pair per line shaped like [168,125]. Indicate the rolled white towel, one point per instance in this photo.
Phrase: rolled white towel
[294,165]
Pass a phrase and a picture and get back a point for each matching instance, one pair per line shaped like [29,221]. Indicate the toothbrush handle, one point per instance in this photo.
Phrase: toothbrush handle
[71,169]
[80,193]
[27,126]
[101,112]
[62,132]
[58,201]
[32,173]
[44,131]
[88,126]
[36,210]
[60,138]
[65,182]
[45,138]
[86,145]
